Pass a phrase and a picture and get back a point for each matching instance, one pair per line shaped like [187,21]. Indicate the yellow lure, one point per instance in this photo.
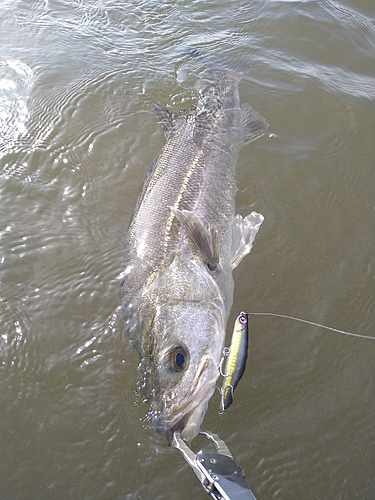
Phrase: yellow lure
[236,360]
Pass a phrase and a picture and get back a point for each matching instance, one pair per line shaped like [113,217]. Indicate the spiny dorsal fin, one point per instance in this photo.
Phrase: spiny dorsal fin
[205,239]
[244,232]
[254,125]
[165,116]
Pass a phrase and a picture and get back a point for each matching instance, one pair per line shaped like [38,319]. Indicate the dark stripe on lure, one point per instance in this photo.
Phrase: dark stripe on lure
[236,360]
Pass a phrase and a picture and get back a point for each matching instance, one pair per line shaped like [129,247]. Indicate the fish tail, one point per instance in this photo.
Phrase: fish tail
[219,66]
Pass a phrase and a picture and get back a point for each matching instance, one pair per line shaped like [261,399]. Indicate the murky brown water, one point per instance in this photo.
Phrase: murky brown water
[77,135]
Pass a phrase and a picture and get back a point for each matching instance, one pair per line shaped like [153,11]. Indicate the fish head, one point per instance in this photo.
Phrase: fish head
[187,348]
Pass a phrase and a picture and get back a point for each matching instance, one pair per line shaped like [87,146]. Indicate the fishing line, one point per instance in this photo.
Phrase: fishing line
[311,323]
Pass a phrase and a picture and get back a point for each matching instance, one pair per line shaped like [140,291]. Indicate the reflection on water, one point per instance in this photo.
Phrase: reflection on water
[15,85]
[77,135]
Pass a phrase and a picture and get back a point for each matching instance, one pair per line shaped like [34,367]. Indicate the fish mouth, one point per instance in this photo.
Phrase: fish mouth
[188,417]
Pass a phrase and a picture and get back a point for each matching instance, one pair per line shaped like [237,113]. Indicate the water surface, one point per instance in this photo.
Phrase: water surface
[77,136]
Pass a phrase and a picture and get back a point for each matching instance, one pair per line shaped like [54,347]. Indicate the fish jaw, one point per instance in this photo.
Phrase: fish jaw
[186,417]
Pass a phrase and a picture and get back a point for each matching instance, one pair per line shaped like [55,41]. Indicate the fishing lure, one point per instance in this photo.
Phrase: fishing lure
[237,356]
[236,360]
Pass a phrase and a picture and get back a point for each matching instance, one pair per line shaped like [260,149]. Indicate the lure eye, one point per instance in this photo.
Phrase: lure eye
[242,319]
[178,358]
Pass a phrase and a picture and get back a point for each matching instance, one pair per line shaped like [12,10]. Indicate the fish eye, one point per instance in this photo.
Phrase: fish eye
[178,358]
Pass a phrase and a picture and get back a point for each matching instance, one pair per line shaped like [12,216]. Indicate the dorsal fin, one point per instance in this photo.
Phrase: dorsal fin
[254,125]
[165,116]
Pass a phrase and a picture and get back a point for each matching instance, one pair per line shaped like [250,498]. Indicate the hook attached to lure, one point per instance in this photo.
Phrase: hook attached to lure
[236,360]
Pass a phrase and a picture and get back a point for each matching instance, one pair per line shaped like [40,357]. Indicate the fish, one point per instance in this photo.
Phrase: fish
[236,360]
[183,241]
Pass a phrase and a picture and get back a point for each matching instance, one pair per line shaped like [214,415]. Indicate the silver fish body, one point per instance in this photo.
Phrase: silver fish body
[182,244]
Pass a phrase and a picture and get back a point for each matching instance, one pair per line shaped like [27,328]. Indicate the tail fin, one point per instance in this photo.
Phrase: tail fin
[218,65]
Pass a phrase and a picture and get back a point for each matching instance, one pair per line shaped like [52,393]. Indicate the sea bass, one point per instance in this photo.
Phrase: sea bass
[182,244]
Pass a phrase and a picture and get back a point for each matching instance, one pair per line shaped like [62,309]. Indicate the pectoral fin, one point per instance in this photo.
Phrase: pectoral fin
[244,232]
[254,125]
[205,239]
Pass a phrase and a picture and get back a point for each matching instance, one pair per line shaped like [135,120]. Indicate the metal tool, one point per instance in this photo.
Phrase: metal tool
[221,477]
